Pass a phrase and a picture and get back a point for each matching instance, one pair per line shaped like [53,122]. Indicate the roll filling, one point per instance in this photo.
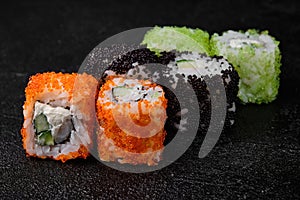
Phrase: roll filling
[53,125]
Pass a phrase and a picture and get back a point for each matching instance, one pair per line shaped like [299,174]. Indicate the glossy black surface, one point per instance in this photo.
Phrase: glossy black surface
[258,158]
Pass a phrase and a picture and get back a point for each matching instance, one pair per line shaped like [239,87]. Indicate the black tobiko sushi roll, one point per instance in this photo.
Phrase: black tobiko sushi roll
[208,76]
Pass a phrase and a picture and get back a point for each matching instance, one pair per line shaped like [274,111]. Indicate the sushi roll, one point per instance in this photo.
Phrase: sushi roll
[131,114]
[168,38]
[199,69]
[58,115]
[256,57]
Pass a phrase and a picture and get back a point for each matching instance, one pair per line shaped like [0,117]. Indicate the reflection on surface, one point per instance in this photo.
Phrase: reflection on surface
[252,121]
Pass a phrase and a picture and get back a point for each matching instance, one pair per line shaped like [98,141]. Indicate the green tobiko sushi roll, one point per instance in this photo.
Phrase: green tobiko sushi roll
[256,57]
[170,38]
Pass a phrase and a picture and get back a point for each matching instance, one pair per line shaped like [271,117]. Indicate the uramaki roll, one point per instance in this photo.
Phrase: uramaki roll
[132,115]
[256,57]
[59,115]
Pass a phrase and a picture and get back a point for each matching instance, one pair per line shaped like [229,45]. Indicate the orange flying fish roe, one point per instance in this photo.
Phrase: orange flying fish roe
[120,138]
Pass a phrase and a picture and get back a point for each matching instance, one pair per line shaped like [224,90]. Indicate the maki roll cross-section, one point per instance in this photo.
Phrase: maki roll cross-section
[58,115]
[132,115]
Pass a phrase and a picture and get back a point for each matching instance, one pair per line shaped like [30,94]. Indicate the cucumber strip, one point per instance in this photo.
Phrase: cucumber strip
[120,92]
[45,138]
[187,67]
[41,123]
[183,60]
[155,94]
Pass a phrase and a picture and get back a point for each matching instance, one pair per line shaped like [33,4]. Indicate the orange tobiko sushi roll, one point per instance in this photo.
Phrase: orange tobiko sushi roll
[131,114]
[59,115]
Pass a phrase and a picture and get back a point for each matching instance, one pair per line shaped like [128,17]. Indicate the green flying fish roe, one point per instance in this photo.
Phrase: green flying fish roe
[256,57]
[169,38]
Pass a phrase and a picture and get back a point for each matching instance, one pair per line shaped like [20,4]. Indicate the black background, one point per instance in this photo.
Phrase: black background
[258,158]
